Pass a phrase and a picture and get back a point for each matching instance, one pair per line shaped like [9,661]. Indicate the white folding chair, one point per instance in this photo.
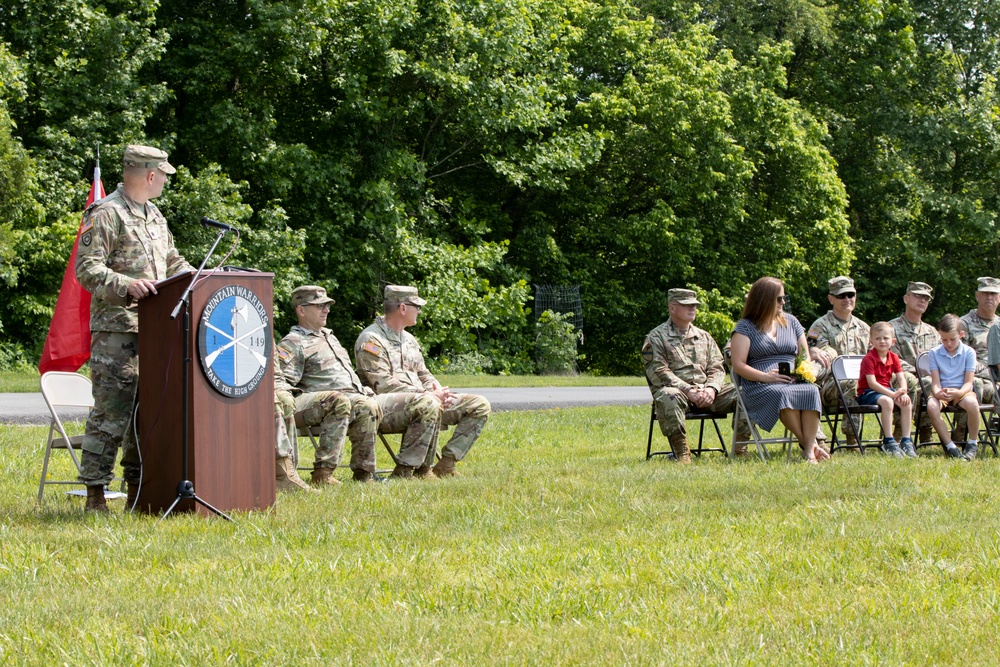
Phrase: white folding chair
[64,390]
[848,367]
[760,442]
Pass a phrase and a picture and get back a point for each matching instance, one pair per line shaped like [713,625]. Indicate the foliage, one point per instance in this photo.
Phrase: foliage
[555,344]
[477,148]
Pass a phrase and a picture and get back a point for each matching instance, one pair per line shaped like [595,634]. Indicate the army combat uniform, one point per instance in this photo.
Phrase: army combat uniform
[677,361]
[329,394]
[121,241]
[836,337]
[392,363]
[976,335]
[912,340]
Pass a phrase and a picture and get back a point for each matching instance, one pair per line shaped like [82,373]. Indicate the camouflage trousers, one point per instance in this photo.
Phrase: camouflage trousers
[339,416]
[284,425]
[831,397]
[114,371]
[984,390]
[672,405]
[418,418]
[468,414]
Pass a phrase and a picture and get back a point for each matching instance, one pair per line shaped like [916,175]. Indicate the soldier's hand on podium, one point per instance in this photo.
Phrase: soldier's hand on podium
[141,288]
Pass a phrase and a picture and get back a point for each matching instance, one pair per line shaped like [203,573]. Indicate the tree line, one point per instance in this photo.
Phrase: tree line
[478,149]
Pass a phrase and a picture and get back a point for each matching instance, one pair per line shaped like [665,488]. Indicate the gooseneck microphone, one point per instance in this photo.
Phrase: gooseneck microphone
[208,222]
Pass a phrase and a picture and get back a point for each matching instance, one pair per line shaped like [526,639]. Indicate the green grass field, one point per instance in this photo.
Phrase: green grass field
[560,545]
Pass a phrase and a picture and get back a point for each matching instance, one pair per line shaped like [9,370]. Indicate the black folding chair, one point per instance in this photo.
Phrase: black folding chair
[986,410]
[699,415]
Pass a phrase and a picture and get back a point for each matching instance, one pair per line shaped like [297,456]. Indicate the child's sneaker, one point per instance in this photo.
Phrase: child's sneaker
[970,450]
[906,445]
[951,451]
[890,447]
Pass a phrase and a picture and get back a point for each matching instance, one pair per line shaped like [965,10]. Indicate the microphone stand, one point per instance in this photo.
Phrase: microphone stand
[185,489]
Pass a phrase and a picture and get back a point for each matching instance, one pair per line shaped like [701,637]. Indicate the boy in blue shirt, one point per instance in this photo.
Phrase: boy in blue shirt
[953,367]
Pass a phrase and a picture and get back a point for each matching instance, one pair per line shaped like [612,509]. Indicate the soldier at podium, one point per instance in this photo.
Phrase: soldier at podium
[125,246]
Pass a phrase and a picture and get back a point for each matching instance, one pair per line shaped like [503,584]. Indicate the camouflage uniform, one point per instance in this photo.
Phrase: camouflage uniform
[392,363]
[976,334]
[912,340]
[121,241]
[836,337]
[676,361]
[284,420]
[329,394]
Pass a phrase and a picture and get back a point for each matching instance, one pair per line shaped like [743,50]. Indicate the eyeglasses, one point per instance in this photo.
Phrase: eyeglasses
[783,299]
[320,306]
[412,305]
[845,295]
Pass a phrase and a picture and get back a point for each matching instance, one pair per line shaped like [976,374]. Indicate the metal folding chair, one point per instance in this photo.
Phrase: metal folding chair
[65,390]
[701,416]
[758,441]
[312,432]
[986,410]
[848,367]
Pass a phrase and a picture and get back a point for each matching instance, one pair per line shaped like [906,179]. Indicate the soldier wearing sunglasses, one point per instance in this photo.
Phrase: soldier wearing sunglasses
[836,333]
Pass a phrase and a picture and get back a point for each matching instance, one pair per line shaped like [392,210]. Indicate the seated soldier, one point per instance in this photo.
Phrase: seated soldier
[977,324]
[329,393]
[683,370]
[835,333]
[913,338]
[389,361]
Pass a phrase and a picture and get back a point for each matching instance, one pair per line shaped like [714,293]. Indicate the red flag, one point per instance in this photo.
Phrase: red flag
[67,347]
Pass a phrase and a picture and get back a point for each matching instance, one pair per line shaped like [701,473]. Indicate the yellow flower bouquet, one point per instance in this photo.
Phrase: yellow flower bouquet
[804,371]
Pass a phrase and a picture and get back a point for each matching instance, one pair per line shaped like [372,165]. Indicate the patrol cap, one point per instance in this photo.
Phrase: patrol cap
[988,285]
[685,297]
[309,295]
[403,294]
[147,157]
[841,284]
[920,288]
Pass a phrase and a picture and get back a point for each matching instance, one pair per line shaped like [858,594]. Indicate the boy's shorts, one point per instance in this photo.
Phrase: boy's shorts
[869,397]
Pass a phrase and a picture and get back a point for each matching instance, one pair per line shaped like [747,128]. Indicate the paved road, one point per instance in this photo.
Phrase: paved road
[30,408]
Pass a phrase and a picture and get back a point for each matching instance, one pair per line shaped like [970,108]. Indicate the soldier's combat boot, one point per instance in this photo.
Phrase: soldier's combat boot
[95,500]
[364,477]
[925,434]
[402,472]
[287,478]
[959,432]
[679,443]
[446,467]
[323,477]
[424,472]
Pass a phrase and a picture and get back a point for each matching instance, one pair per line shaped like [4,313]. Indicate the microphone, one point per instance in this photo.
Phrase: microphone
[208,222]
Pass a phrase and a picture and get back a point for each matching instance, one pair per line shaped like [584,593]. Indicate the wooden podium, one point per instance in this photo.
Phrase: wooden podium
[230,437]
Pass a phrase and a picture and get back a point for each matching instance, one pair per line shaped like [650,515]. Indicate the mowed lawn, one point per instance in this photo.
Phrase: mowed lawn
[560,545]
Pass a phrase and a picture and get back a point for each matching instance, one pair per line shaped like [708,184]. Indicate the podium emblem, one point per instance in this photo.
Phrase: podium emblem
[234,341]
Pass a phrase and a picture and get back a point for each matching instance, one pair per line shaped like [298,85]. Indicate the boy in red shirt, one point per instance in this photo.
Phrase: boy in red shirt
[878,368]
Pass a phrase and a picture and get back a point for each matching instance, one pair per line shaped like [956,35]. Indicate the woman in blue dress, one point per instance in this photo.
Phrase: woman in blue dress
[764,337]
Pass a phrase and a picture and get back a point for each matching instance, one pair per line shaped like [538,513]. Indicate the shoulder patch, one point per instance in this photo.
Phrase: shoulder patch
[371,347]
[88,224]
[283,353]
[647,351]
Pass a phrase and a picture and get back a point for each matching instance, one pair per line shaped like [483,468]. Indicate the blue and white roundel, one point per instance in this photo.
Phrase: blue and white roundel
[234,341]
